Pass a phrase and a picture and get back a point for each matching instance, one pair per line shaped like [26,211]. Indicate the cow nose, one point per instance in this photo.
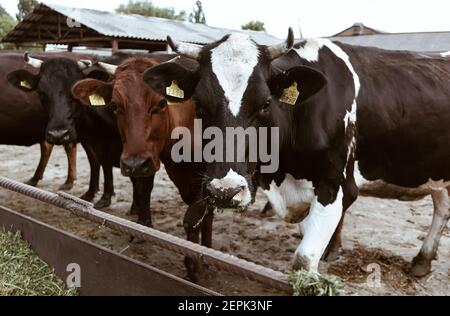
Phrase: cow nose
[222,197]
[137,167]
[58,137]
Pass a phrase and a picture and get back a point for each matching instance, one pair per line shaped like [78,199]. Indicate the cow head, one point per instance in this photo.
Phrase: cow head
[236,86]
[142,114]
[53,83]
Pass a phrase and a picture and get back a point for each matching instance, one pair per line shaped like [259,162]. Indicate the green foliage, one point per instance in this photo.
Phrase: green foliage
[7,23]
[311,283]
[198,16]
[147,8]
[25,7]
[254,26]
[22,273]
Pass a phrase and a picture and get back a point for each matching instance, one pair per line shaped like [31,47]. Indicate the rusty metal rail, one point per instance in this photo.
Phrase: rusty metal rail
[208,256]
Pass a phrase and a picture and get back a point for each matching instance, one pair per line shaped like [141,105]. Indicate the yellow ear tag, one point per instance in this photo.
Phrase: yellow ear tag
[290,95]
[97,100]
[175,91]
[25,84]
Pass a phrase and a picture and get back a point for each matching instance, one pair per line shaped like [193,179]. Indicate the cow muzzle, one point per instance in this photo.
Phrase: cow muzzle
[138,168]
[59,137]
[231,192]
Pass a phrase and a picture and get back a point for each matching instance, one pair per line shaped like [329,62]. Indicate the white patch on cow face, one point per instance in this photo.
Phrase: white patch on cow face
[233,62]
[447,54]
[233,180]
[317,230]
[292,198]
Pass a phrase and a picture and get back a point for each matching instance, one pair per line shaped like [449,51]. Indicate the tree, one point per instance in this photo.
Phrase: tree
[25,7]
[147,8]
[7,23]
[254,26]
[198,16]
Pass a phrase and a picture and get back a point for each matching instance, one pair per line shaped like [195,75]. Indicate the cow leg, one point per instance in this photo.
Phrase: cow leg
[351,192]
[134,206]
[142,197]
[108,191]
[421,265]
[46,151]
[207,228]
[71,151]
[268,211]
[193,222]
[95,175]
[318,227]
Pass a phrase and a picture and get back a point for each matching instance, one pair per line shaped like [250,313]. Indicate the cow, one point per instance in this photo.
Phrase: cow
[146,123]
[23,119]
[346,115]
[70,121]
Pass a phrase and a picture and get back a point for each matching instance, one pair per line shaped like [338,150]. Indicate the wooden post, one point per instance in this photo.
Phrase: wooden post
[115,46]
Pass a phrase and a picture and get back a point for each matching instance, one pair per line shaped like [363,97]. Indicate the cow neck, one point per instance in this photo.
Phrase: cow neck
[178,115]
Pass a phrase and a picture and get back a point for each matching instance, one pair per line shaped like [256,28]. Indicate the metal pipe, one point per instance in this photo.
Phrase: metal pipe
[213,257]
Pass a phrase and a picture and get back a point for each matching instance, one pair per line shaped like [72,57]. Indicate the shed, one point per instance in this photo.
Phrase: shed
[55,24]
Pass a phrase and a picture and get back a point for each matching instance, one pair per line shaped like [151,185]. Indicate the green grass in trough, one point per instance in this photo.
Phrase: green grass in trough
[309,283]
[23,273]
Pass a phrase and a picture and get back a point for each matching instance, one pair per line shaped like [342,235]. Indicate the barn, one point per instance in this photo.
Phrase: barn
[425,42]
[51,24]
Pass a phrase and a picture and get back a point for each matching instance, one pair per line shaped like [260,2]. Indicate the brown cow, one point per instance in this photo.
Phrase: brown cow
[146,122]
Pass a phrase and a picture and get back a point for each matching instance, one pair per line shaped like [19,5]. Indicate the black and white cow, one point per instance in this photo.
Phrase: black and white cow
[362,115]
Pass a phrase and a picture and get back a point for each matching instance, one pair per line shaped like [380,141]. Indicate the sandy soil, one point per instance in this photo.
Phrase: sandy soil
[384,234]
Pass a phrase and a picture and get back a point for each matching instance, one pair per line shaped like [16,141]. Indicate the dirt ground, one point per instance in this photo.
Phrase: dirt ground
[381,236]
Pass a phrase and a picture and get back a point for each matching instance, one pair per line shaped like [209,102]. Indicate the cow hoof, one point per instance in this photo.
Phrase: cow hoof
[88,197]
[66,186]
[301,263]
[332,254]
[103,203]
[32,182]
[421,267]
[268,211]
[133,210]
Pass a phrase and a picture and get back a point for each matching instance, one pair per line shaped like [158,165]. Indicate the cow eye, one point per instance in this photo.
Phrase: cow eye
[266,106]
[161,106]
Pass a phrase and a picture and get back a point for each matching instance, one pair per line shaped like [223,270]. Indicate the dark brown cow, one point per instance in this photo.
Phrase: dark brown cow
[146,122]
[23,120]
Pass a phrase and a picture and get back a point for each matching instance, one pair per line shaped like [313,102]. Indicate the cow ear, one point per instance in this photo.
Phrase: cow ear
[297,84]
[93,92]
[173,81]
[23,80]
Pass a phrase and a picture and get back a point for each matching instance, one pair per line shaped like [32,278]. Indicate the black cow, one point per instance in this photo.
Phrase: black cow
[23,120]
[340,109]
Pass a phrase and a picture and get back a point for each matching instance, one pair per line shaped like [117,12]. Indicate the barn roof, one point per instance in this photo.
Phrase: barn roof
[433,42]
[55,24]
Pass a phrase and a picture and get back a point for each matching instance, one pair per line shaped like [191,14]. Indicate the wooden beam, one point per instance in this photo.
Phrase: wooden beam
[115,46]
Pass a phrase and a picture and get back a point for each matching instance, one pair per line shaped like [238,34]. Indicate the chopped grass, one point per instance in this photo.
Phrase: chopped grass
[23,273]
[312,283]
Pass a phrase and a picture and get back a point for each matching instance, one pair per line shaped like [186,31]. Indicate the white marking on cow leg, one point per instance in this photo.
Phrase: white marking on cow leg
[440,219]
[233,62]
[447,54]
[317,230]
[231,181]
[291,199]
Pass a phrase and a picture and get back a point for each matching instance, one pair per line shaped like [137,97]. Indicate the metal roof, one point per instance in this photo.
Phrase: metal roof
[138,27]
[417,42]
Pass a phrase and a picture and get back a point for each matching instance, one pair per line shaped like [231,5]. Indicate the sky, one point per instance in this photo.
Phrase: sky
[315,18]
